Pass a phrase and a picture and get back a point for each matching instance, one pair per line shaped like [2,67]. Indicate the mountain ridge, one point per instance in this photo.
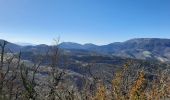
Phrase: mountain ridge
[138,48]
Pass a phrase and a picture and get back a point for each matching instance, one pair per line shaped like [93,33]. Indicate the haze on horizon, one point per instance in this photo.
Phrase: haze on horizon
[83,21]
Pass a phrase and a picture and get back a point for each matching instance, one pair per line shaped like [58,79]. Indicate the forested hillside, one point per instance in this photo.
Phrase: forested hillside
[59,74]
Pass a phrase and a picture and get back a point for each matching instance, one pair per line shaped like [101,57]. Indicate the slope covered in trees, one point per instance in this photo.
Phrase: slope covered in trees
[58,75]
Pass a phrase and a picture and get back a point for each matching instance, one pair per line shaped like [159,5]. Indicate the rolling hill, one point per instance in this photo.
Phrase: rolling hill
[139,48]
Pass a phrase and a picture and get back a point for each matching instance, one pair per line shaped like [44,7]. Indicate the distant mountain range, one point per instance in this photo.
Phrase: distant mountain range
[139,48]
[25,44]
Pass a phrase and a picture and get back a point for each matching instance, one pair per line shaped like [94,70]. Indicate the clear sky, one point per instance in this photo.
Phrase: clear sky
[83,21]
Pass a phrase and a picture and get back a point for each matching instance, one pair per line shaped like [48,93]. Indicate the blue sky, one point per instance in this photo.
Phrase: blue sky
[83,21]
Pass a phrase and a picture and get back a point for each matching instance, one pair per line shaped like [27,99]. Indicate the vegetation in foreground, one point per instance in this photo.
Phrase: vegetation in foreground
[22,81]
